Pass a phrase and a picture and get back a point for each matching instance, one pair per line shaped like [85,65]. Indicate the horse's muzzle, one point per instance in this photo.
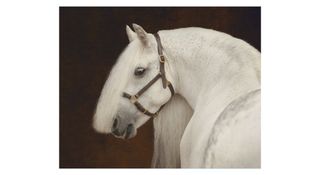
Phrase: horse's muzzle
[120,130]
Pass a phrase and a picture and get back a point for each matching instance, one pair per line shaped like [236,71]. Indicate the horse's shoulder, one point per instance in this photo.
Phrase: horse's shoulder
[244,103]
[237,127]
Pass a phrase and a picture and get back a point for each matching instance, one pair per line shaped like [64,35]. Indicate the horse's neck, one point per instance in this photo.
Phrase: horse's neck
[206,63]
[212,65]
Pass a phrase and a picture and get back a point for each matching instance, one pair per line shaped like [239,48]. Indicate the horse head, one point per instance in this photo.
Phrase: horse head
[133,92]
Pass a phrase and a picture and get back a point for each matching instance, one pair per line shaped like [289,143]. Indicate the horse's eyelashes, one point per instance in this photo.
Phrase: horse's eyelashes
[139,71]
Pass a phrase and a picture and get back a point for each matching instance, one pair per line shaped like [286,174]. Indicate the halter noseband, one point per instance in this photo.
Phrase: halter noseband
[162,74]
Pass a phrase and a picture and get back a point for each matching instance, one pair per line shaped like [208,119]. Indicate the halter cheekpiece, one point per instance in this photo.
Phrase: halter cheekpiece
[162,74]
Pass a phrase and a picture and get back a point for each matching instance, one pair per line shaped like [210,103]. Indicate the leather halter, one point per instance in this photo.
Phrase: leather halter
[162,74]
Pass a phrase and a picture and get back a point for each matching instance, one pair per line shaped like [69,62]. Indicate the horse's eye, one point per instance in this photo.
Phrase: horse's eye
[139,71]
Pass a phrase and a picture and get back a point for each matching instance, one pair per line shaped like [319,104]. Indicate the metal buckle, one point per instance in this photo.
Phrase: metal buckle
[162,59]
[133,98]
[145,111]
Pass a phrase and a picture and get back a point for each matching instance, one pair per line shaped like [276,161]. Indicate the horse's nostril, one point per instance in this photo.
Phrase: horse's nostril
[129,130]
[115,123]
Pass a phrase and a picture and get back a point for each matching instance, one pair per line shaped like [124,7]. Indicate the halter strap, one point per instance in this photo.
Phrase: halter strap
[147,86]
[162,74]
[162,60]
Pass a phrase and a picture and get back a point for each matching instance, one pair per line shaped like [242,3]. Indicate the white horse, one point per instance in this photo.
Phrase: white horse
[212,120]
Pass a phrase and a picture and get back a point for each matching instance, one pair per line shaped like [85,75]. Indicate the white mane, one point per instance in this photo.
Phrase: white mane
[169,126]
[113,88]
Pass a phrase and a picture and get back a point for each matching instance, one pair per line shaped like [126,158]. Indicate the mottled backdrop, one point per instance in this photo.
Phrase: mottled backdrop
[90,41]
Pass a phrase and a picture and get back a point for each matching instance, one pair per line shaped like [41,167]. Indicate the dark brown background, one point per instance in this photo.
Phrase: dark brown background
[90,41]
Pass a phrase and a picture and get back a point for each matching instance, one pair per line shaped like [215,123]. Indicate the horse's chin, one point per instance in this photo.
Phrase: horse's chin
[129,136]
[124,137]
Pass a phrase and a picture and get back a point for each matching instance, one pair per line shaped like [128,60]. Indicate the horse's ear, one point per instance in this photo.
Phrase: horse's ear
[131,34]
[142,35]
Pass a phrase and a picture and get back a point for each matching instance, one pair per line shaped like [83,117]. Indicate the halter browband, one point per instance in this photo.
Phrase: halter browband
[162,74]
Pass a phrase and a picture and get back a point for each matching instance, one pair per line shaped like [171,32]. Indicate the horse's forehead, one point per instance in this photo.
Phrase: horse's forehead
[139,54]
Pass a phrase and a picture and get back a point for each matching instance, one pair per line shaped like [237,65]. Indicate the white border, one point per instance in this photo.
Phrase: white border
[29,95]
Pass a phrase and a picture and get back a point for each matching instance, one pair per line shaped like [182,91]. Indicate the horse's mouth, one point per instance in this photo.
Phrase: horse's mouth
[128,133]
[125,136]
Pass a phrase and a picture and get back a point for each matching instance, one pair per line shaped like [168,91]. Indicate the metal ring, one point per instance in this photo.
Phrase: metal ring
[133,98]
[162,59]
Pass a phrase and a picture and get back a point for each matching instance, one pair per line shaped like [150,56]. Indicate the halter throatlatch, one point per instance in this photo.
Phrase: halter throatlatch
[162,74]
